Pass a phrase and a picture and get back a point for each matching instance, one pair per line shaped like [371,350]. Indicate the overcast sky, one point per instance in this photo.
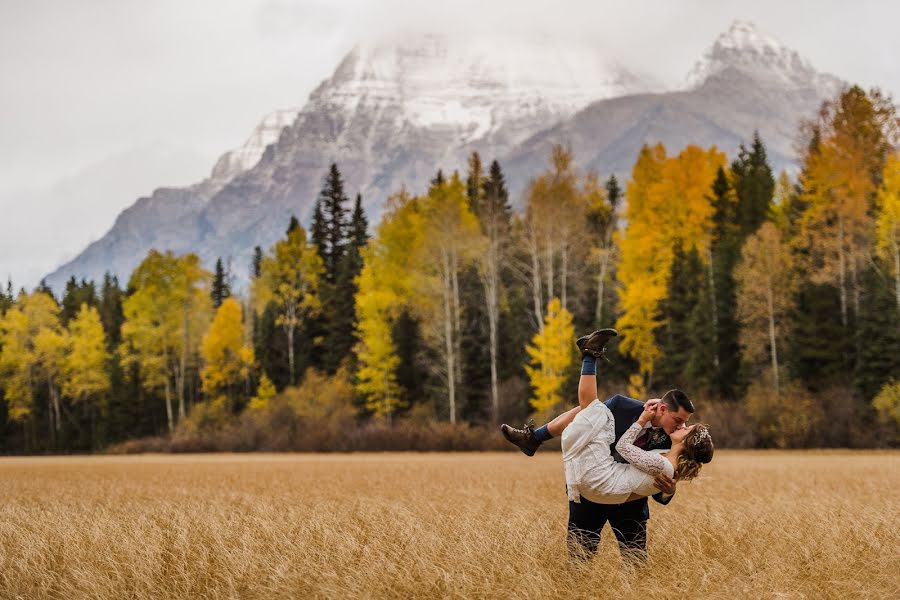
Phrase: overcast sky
[103,100]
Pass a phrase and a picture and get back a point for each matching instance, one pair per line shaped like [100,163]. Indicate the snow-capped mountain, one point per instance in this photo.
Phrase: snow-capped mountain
[760,56]
[390,115]
[474,87]
[233,163]
[394,112]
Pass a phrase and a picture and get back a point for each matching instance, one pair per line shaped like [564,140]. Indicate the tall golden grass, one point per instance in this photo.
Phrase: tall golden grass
[753,525]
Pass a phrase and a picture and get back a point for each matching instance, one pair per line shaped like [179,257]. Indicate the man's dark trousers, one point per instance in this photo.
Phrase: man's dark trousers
[629,520]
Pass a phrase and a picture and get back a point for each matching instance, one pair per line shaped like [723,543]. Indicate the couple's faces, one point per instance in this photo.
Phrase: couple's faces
[678,435]
[673,422]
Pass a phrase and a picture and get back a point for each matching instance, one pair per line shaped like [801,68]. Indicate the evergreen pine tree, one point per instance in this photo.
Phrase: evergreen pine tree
[318,233]
[359,226]
[292,225]
[613,192]
[878,327]
[685,291]
[475,181]
[46,289]
[110,307]
[220,288]
[725,253]
[257,261]
[341,312]
[6,301]
[334,218]
[438,179]
[74,296]
[819,348]
[754,186]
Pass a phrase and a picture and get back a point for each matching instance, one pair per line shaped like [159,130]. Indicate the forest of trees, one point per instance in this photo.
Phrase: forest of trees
[773,300]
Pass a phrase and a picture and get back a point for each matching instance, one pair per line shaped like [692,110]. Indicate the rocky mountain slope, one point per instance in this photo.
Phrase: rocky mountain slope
[392,113]
[746,81]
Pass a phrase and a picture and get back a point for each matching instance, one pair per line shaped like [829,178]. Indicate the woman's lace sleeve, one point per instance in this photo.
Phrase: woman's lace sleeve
[648,462]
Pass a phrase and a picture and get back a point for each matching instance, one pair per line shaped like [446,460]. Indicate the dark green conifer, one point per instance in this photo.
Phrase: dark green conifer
[74,296]
[257,262]
[221,288]
[754,186]
[613,192]
[878,333]
[331,204]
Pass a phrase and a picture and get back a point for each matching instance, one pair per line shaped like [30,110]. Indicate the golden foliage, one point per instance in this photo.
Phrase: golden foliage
[887,403]
[322,397]
[552,356]
[265,391]
[165,315]
[85,373]
[668,204]
[228,358]
[32,344]
[853,136]
[888,220]
[290,279]
[385,286]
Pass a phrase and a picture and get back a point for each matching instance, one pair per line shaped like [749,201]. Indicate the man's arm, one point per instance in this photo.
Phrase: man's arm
[667,486]
[620,402]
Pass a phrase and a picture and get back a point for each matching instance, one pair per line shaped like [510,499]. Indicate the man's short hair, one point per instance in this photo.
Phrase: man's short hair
[675,399]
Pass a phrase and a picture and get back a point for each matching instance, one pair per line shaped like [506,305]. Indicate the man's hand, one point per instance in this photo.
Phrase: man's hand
[652,404]
[665,484]
[649,412]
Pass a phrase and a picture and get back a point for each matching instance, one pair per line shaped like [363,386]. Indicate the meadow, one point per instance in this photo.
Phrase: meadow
[755,524]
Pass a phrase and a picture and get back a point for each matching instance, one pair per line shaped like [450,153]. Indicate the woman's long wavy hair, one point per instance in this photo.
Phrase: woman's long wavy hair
[698,450]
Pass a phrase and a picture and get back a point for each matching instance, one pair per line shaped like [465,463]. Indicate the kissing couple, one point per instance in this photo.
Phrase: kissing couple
[616,454]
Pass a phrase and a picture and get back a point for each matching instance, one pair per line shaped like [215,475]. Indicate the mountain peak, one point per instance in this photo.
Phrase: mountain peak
[474,83]
[234,162]
[745,48]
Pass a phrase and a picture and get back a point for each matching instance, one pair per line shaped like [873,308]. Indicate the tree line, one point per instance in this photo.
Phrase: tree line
[773,300]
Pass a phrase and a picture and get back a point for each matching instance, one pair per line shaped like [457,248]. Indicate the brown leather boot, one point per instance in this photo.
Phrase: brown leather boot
[523,438]
[594,344]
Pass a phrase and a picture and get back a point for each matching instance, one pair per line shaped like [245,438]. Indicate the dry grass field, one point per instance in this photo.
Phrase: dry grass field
[754,525]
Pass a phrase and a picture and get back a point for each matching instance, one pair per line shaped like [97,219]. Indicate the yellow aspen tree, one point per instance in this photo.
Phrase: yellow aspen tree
[640,275]
[16,358]
[85,374]
[289,278]
[764,291]
[841,173]
[557,206]
[33,346]
[450,240]
[383,292]
[888,221]
[668,203]
[552,355]
[163,320]
[50,345]
[227,358]
[194,304]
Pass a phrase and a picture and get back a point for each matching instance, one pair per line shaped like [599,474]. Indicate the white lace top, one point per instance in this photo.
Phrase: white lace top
[593,473]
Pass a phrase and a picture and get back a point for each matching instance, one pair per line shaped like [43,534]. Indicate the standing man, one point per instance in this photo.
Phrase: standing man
[629,520]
